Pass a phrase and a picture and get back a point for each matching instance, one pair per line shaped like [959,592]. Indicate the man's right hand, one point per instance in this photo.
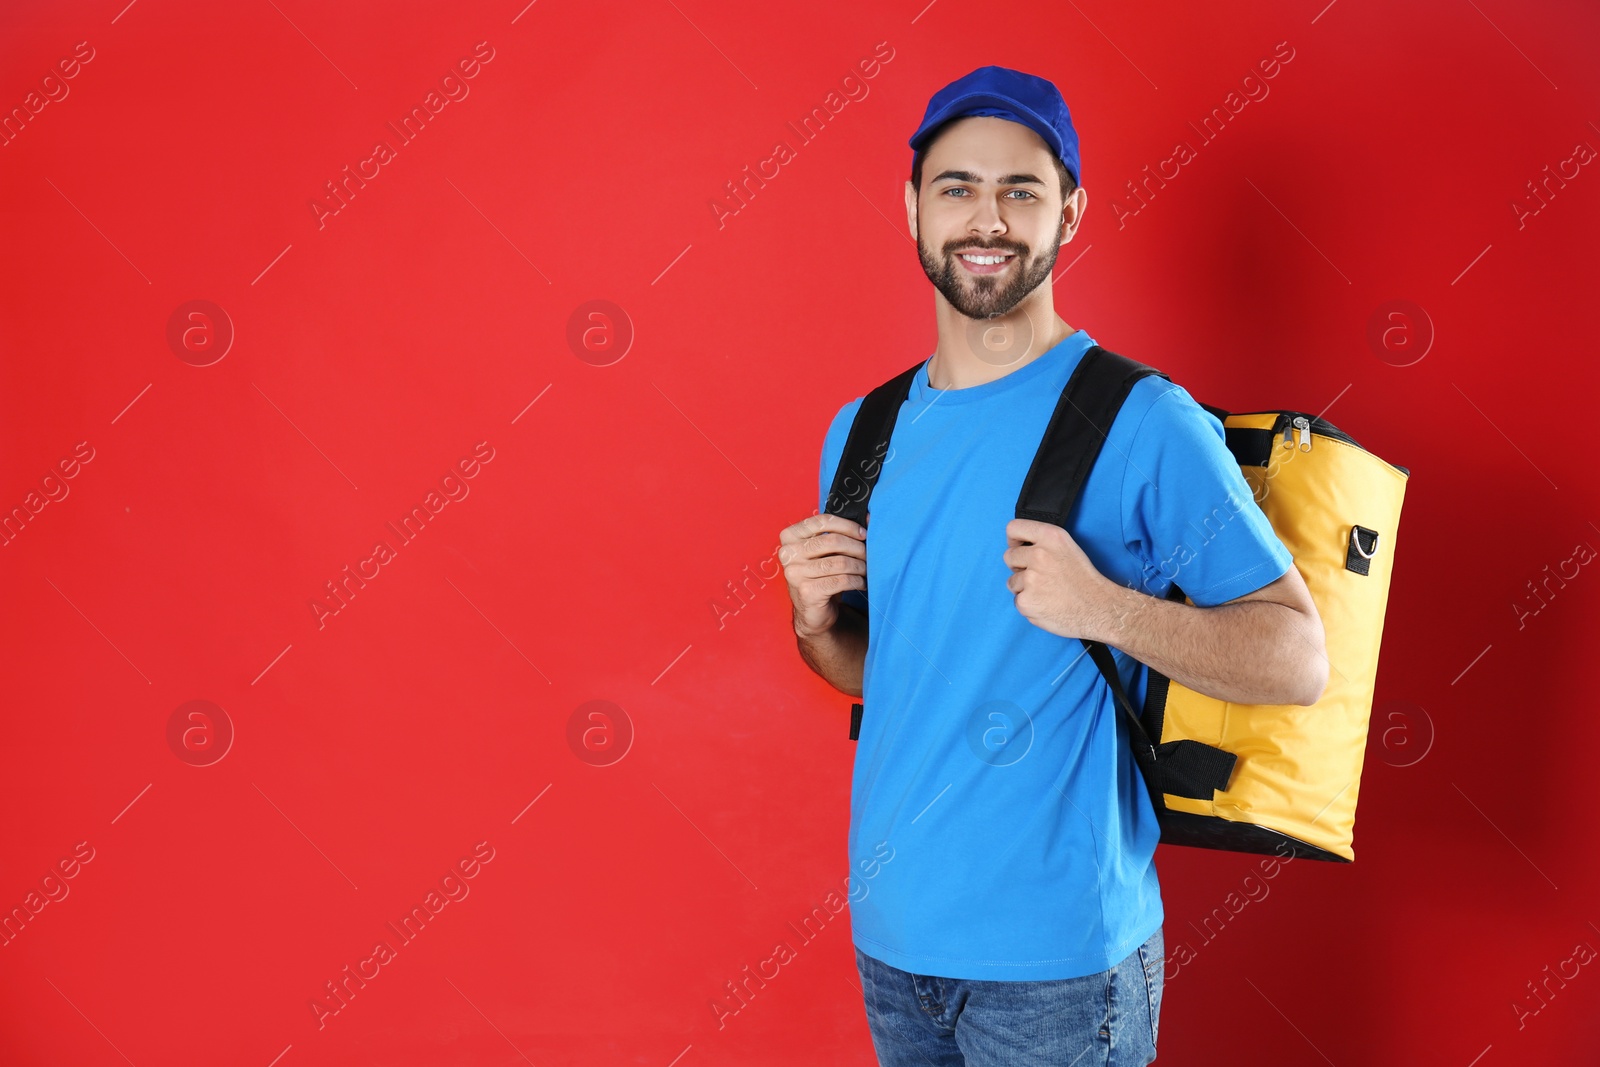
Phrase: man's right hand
[822,555]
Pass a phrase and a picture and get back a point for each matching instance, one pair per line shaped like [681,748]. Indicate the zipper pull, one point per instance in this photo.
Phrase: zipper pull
[1288,435]
[1303,424]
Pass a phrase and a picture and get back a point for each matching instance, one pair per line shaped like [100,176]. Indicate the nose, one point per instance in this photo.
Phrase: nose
[986,217]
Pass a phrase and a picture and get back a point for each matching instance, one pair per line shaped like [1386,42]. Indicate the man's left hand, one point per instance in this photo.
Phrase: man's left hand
[1057,587]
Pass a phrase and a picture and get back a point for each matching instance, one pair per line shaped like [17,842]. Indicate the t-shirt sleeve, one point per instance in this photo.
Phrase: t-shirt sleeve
[832,449]
[1187,511]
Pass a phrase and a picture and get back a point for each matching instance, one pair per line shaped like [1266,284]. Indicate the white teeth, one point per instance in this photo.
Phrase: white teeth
[985,260]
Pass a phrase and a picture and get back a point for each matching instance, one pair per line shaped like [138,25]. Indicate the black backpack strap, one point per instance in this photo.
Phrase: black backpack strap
[862,459]
[1077,431]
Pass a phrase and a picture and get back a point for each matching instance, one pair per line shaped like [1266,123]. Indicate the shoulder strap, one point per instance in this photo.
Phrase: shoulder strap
[1088,405]
[862,459]
[1093,395]
[1083,415]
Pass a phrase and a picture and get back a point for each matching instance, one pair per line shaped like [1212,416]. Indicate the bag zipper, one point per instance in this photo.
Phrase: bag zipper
[1291,423]
[1288,422]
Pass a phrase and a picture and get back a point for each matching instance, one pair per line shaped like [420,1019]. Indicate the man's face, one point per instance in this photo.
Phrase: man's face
[989,187]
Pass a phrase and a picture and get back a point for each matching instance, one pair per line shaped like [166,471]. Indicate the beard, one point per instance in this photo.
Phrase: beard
[984,296]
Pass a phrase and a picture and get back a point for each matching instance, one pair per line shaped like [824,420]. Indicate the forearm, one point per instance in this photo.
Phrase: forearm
[1252,652]
[839,654]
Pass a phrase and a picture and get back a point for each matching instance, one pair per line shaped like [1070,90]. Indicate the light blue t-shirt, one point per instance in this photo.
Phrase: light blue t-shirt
[993,764]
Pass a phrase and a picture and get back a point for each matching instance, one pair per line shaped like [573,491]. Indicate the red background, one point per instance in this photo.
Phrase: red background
[588,562]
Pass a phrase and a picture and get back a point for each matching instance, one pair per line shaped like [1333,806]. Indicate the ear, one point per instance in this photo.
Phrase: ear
[1072,213]
[911,209]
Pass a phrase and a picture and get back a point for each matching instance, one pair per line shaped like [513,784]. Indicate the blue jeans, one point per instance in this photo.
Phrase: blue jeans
[1108,1019]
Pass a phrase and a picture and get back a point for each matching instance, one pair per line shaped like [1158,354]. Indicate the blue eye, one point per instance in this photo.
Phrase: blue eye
[959,189]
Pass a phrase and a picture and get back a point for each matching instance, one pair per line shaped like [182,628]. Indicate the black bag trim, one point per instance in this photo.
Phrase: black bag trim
[1210,831]
[1250,447]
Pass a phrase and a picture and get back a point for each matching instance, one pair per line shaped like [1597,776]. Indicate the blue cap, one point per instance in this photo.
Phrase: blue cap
[1004,93]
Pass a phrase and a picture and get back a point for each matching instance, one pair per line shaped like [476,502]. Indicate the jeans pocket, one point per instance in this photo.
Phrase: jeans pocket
[1152,955]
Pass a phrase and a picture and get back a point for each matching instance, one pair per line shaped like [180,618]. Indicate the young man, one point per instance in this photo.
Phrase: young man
[1008,910]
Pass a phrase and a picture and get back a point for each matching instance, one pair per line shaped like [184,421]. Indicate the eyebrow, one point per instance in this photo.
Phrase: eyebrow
[968,176]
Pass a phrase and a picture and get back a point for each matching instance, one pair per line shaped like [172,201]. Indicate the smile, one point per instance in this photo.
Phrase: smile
[985,264]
